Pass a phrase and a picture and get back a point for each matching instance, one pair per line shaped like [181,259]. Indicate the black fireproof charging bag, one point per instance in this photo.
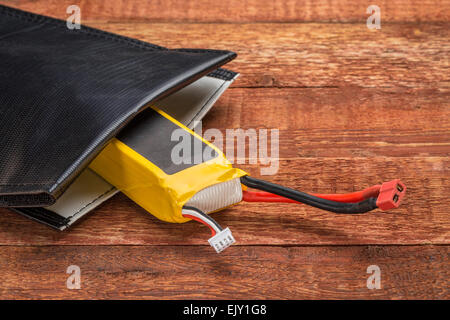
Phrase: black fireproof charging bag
[65,93]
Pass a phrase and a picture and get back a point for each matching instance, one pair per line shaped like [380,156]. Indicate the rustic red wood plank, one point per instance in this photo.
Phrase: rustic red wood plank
[331,140]
[422,218]
[242,10]
[342,122]
[343,152]
[315,55]
[117,272]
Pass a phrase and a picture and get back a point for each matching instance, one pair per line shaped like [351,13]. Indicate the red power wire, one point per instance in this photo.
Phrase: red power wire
[262,196]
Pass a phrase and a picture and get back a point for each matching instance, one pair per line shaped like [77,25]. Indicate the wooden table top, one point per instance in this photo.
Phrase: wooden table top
[355,107]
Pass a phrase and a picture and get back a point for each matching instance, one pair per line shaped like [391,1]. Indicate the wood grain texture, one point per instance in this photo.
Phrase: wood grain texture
[315,55]
[422,219]
[242,10]
[307,54]
[354,107]
[319,153]
[342,122]
[325,146]
[186,272]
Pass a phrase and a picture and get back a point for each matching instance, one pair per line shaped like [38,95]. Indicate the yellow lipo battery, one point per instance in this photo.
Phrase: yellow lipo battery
[162,165]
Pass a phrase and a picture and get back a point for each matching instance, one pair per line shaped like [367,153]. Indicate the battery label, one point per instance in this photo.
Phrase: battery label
[164,143]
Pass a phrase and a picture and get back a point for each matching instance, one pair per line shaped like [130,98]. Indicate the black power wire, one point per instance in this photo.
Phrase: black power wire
[324,204]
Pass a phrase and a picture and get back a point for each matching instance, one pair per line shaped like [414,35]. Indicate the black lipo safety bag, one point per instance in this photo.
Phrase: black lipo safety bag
[64,94]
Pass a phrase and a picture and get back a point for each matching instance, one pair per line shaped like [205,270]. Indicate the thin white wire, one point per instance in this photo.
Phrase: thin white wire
[201,217]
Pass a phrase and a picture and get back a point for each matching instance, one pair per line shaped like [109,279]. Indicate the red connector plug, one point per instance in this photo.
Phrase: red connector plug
[391,194]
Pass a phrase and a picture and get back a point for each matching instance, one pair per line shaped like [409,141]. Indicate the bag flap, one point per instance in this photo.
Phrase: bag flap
[65,93]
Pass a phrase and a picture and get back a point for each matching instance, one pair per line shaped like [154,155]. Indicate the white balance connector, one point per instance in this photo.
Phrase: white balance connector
[222,240]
